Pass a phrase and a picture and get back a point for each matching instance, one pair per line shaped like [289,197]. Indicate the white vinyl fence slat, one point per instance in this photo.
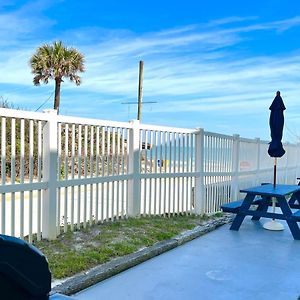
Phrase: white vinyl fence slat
[30,179]
[85,170]
[13,174]
[22,175]
[113,173]
[160,171]
[102,171]
[66,171]
[3,174]
[72,208]
[91,174]
[118,172]
[108,166]
[39,178]
[123,172]
[97,174]
[79,156]
[59,174]
[151,171]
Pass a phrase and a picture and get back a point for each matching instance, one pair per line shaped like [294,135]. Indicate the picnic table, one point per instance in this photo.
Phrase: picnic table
[259,198]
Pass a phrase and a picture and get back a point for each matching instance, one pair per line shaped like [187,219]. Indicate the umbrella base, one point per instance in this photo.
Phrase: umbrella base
[273,225]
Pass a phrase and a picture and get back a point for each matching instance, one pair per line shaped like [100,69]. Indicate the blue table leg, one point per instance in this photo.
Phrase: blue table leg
[241,214]
[288,213]
[295,198]
[262,207]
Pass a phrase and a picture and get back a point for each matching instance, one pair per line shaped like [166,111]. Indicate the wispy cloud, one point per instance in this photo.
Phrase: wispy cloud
[21,25]
[287,24]
[229,20]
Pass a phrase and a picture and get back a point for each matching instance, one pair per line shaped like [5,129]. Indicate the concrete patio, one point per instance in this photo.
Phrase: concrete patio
[252,263]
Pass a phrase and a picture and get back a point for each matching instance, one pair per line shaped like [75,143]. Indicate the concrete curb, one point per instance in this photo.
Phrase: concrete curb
[86,279]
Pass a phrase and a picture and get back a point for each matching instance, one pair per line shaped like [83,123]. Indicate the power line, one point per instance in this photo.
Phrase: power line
[292,133]
[134,102]
[45,102]
[147,102]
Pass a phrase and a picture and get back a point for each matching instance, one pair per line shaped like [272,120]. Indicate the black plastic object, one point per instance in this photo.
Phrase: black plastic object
[24,271]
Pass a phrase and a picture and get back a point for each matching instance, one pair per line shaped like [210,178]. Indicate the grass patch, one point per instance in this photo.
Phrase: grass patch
[77,251]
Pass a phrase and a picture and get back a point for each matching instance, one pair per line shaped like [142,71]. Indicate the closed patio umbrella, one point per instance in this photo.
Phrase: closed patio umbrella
[275,147]
[276,126]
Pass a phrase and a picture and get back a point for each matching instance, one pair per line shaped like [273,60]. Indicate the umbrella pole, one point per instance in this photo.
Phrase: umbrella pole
[274,184]
[273,225]
[274,176]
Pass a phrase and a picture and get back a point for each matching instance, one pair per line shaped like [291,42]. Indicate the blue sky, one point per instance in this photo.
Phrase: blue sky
[209,64]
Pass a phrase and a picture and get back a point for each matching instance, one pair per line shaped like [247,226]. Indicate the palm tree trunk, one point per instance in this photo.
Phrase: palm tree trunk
[57,94]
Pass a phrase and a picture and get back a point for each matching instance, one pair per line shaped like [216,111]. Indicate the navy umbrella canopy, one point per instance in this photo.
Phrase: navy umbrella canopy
[275,148]
[276,125]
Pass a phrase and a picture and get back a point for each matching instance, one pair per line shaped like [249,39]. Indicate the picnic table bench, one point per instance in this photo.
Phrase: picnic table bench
[233,207]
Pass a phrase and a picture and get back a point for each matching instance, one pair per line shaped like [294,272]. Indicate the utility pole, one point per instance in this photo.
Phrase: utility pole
[140,90]
[140,93]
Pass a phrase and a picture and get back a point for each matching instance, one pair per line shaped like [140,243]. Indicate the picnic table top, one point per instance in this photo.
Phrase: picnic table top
[270,190]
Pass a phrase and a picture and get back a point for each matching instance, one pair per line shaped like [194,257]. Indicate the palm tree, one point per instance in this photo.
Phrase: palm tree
[56,62]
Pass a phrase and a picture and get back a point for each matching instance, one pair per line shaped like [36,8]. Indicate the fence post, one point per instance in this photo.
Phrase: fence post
[49,210]
[235,167]
[257,175]
[199,193]
[134,184]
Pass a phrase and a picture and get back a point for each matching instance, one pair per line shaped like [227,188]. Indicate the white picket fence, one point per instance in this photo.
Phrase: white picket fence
[74,172]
